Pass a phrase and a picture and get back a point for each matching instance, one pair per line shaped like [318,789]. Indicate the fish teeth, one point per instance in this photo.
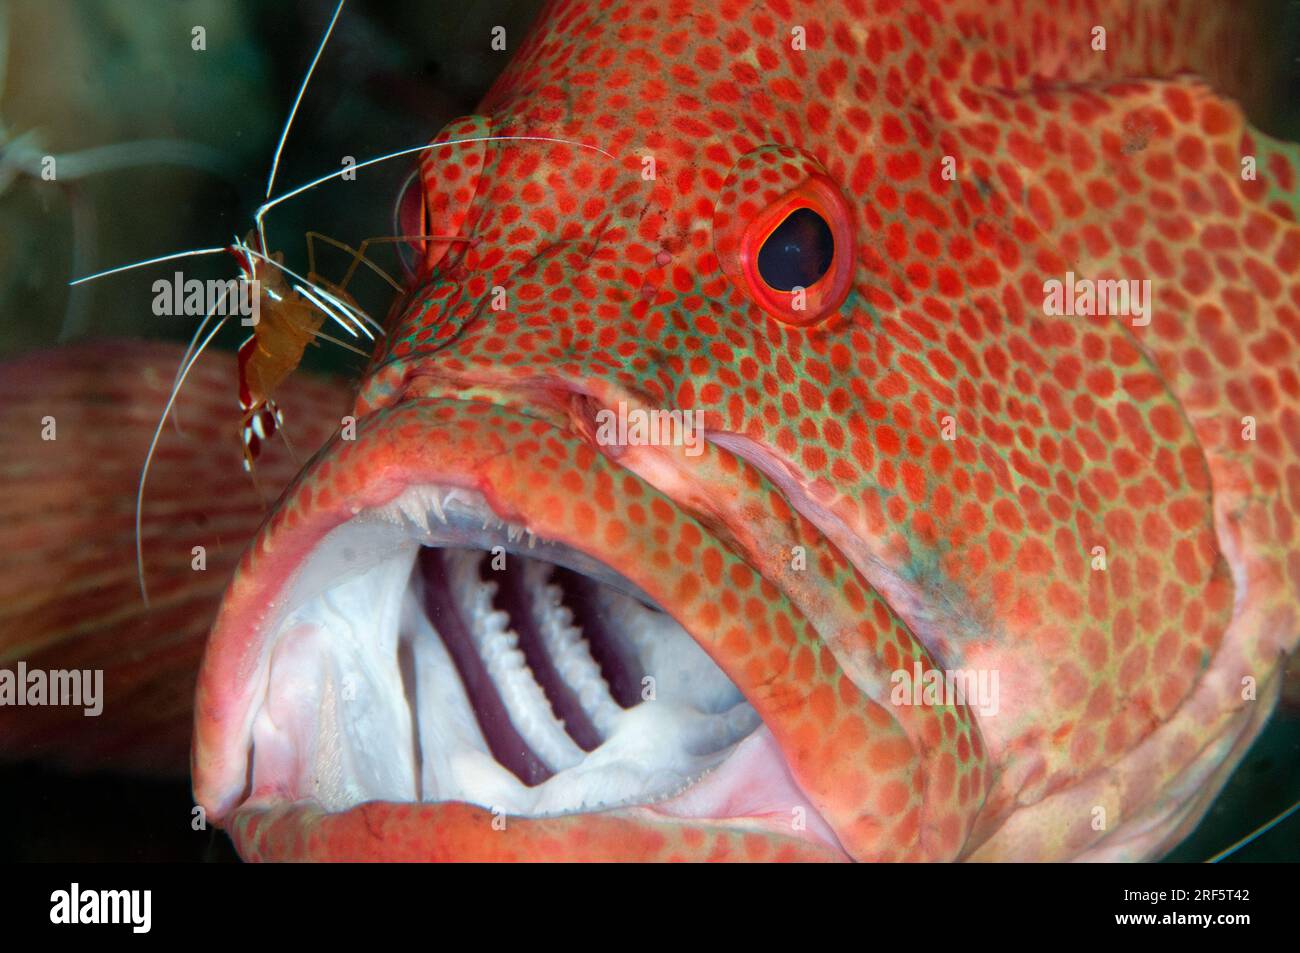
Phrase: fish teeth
[435,504]
[412,508]
[419,506]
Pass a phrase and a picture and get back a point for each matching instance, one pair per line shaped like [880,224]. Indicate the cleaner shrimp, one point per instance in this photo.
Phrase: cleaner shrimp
[289,308]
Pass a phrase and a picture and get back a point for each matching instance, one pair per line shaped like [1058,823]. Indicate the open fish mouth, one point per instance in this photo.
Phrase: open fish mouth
[436,654]
[421,673]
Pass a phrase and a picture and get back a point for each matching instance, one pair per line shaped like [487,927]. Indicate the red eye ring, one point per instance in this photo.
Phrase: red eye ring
[765,188]
[829,291]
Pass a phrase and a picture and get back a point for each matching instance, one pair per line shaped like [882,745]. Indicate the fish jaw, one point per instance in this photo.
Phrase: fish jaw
[835,770]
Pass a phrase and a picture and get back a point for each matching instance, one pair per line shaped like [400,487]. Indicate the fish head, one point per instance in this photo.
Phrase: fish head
[745,370]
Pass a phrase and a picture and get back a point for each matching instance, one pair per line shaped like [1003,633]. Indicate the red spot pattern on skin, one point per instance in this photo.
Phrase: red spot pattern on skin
[1064,536]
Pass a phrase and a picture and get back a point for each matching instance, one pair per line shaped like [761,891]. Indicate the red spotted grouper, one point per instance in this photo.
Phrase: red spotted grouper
[874,433]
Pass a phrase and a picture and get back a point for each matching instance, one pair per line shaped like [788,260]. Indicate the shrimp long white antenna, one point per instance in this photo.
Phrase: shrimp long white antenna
[194,252]
[153,445]
[268,205]
[1255,834]
[355,313]
[284,133]
[302,290]
[270,181]
[236,245]
[251,254]
[271,203]
[148,261]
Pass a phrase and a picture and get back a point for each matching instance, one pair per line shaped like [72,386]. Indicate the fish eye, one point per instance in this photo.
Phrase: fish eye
[435,201]
[784,236]
[798,252]
[409,219]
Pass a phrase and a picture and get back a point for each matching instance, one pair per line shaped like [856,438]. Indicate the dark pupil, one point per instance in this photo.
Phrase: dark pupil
[798,252]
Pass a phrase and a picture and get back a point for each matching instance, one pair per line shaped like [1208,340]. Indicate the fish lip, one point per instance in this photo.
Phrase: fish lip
[450,831]
[233,670]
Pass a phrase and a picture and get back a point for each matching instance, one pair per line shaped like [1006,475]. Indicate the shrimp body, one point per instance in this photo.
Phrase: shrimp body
[285,323]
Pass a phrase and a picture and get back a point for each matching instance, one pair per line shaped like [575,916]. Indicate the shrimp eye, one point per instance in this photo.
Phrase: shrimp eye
[783,234]
[798,252]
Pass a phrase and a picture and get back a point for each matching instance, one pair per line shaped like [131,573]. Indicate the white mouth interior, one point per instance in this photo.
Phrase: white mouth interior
[366,694]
